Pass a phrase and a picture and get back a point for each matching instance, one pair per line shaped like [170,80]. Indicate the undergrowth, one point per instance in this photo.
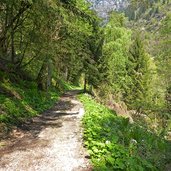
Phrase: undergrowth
[22,100]
[114,144]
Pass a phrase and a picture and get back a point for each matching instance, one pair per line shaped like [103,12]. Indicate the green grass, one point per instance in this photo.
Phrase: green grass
[22,101]
[63,86]
[114,144]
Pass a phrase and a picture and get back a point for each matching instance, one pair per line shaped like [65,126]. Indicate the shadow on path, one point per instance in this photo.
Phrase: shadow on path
[50,141]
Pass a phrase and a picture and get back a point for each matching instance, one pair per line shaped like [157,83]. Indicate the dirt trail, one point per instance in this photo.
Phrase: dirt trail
[51,142]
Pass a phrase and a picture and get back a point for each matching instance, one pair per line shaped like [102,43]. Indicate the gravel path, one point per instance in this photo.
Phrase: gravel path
[51,142]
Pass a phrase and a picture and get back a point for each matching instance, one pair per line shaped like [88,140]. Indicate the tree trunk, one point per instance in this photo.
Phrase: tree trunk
[66,74]
[49,74]
[85,84]
[12,38]
[40,79]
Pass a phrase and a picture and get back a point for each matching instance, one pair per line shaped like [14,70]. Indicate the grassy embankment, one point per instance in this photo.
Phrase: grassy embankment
[21,100]
[115,144]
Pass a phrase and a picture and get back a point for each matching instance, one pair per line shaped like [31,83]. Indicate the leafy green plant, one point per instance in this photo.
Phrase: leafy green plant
[115,144]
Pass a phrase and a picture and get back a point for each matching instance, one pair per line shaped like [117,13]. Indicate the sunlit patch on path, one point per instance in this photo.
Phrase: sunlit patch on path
[52,141]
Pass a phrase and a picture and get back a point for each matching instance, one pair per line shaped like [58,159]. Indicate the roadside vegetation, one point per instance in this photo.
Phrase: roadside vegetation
[115,144]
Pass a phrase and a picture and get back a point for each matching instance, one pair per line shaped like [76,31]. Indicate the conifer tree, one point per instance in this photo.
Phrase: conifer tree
[139,71]
[115,48]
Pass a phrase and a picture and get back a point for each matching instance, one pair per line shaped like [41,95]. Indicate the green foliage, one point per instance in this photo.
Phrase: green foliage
[115,144]
[114,61]
[126,65]
[46,38]
[22,101]
[139,71]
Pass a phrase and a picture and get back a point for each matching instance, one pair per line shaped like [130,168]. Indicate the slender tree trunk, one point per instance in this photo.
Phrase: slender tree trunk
[5,30]
[12,38]
[3,39]
[91,89]
[49,74]
[40,79]
[66,74]
[12,46]
[85,84]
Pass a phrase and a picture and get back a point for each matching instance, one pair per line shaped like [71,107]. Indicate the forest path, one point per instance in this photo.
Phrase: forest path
[52,141]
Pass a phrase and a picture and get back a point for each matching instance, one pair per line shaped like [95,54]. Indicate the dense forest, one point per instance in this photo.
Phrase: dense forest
[122,60]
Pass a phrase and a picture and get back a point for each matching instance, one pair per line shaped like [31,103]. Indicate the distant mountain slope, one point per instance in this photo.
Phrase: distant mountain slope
[103,7]
[148,16]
